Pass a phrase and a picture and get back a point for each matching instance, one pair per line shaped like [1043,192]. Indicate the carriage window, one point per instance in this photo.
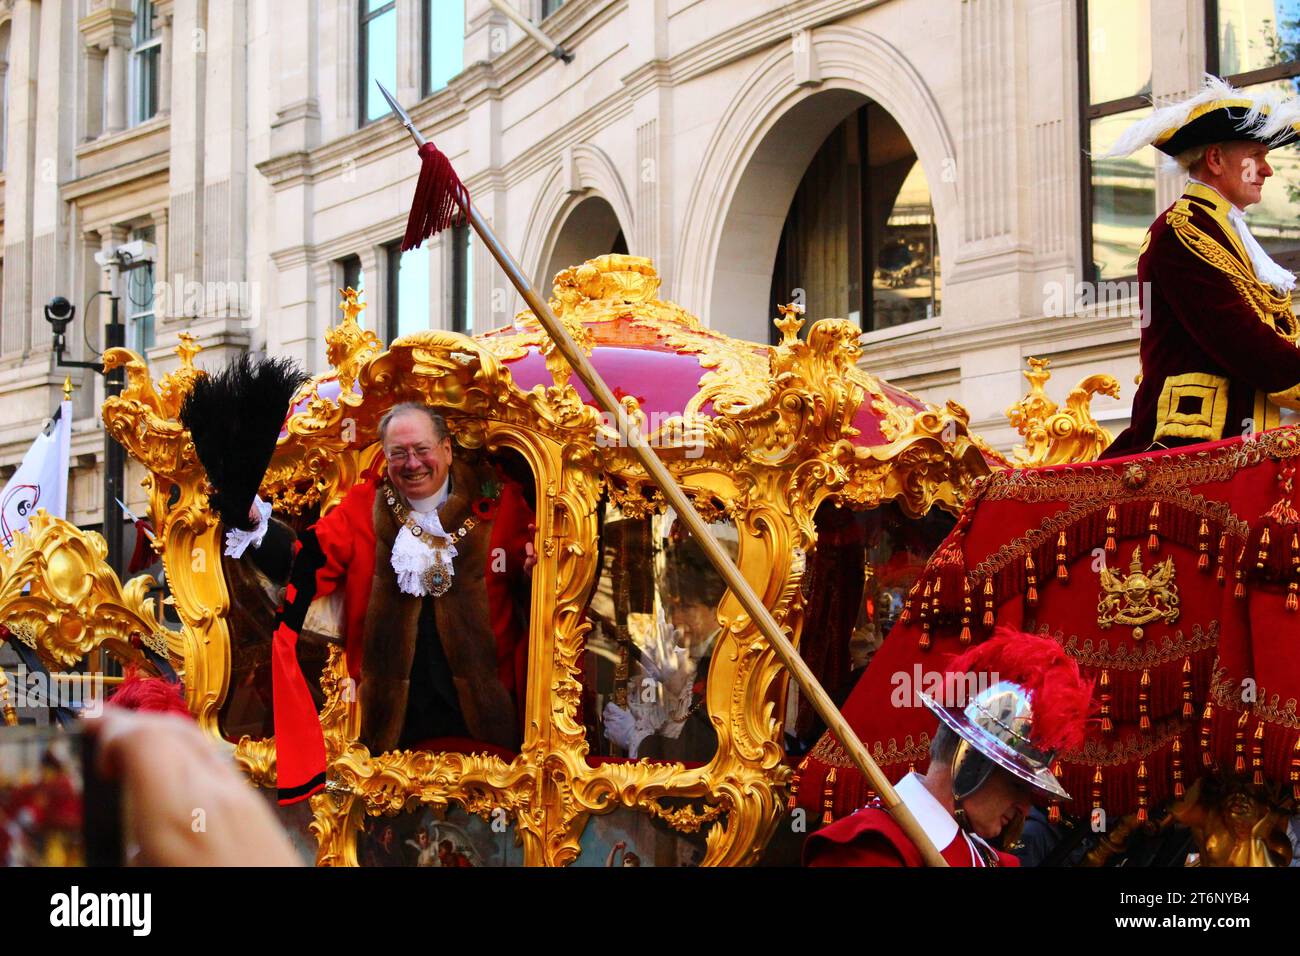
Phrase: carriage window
[654,631]
[468,672]
[857,580]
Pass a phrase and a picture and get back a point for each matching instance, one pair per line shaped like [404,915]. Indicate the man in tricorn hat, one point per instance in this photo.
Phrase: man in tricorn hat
[990,759]
[1218,347]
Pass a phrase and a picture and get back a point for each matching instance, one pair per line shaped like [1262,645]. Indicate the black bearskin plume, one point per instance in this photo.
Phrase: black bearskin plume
[234,418]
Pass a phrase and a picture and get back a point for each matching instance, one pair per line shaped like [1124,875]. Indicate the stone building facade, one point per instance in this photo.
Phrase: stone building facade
[241,139]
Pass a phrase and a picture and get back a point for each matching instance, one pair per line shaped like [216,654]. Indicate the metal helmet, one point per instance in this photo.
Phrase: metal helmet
[996,729]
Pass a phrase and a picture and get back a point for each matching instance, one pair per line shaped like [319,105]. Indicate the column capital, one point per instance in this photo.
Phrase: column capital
[108,25]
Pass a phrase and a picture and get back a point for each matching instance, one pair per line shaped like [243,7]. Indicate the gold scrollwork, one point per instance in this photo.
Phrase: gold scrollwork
[767,434]
[1055,435]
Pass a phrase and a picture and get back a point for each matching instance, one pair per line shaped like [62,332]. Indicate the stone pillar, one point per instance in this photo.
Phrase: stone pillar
[163,14]
[92,94]
[115,90]
[108,28]
[20,181]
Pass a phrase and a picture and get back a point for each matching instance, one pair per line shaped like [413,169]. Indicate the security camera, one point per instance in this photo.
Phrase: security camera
[59,313]
[129,256]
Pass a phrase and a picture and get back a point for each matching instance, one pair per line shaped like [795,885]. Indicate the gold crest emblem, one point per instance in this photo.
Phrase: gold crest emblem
[1138,597]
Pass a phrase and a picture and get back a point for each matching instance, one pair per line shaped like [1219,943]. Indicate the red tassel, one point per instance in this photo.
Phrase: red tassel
[1096,788]
[965,610]
[1207,723]
[1110,529]
[793,802]
[1153,526]
[1031,595]
[1142,791]
[1221,575]
[988,603]
[1106,725]
[1054,808]
[1177,762]
[828,797]
[1295,771]
[1257,756]
[1240,590]
[1262,557]
[1203,546]
[1239,743]
[441,199]
[1144,701]
[1188,709]
[1062,572]
[924,642]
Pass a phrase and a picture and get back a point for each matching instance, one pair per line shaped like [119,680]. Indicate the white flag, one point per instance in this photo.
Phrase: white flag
[41,481]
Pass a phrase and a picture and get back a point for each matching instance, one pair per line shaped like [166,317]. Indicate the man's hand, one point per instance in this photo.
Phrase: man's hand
[530,553]
[184,803]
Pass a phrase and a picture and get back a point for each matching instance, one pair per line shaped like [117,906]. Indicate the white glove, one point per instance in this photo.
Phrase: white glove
[238,540]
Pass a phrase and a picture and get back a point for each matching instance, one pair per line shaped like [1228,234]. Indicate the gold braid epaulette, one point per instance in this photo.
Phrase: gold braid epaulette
[1272,308]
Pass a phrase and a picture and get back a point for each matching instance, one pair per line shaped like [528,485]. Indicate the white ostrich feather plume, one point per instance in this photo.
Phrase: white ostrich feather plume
[1268,111]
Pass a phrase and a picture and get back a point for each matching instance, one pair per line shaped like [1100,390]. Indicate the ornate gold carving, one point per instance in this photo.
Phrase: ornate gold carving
[1235,824]
[1056,436]
[1138,597]
[59,597]
[767,435]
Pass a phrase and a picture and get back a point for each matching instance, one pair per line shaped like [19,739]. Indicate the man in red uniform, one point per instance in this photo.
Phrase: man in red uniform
[989,760]
[411,552]
[1218,346]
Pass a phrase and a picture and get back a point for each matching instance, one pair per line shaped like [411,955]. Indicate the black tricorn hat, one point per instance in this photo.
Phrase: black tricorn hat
[1218,113]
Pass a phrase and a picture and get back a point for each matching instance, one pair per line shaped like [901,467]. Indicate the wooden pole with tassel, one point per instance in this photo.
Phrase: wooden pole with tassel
[438,192]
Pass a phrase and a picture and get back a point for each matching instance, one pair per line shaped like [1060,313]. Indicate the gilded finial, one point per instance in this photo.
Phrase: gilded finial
[187,346]
[790,323]
[351,305]
[67,388]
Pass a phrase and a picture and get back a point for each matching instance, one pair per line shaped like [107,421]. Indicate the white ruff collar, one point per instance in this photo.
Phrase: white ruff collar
[423,564]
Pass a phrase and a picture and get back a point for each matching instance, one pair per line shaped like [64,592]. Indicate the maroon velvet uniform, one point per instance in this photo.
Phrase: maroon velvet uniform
[1210,352]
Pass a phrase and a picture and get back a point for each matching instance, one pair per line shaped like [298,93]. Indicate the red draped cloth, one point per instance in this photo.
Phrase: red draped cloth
[1210,681]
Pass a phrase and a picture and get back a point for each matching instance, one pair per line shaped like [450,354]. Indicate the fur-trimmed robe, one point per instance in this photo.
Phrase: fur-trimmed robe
[350,548]
[392,622]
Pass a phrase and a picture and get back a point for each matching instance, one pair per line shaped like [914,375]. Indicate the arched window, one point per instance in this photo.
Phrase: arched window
[859,238]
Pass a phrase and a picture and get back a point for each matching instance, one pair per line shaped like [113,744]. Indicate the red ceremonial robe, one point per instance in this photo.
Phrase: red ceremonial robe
[871,837]
[339,551]
[1211,346]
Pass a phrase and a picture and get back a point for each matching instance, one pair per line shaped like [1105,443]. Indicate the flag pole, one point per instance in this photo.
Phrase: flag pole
[673,493]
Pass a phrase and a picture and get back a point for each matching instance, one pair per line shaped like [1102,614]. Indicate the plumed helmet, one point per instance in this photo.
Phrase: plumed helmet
[1031,703]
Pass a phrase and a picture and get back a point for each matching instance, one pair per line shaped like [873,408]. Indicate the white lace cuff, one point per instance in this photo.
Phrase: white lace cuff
[238,540]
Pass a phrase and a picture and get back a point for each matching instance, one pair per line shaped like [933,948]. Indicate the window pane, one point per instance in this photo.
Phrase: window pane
[144,30]
[1119,49]
[446,41]
[905,284]
[1123,198]
[550,6]
[1254,34]
[140,300]
[354,277]
[1273,220]
[380,37]
[412,292]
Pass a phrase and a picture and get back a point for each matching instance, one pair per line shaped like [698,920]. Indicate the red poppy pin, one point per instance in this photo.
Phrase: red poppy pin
[485,506]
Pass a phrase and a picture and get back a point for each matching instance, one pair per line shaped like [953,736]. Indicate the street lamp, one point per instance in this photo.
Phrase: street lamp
[60,313]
